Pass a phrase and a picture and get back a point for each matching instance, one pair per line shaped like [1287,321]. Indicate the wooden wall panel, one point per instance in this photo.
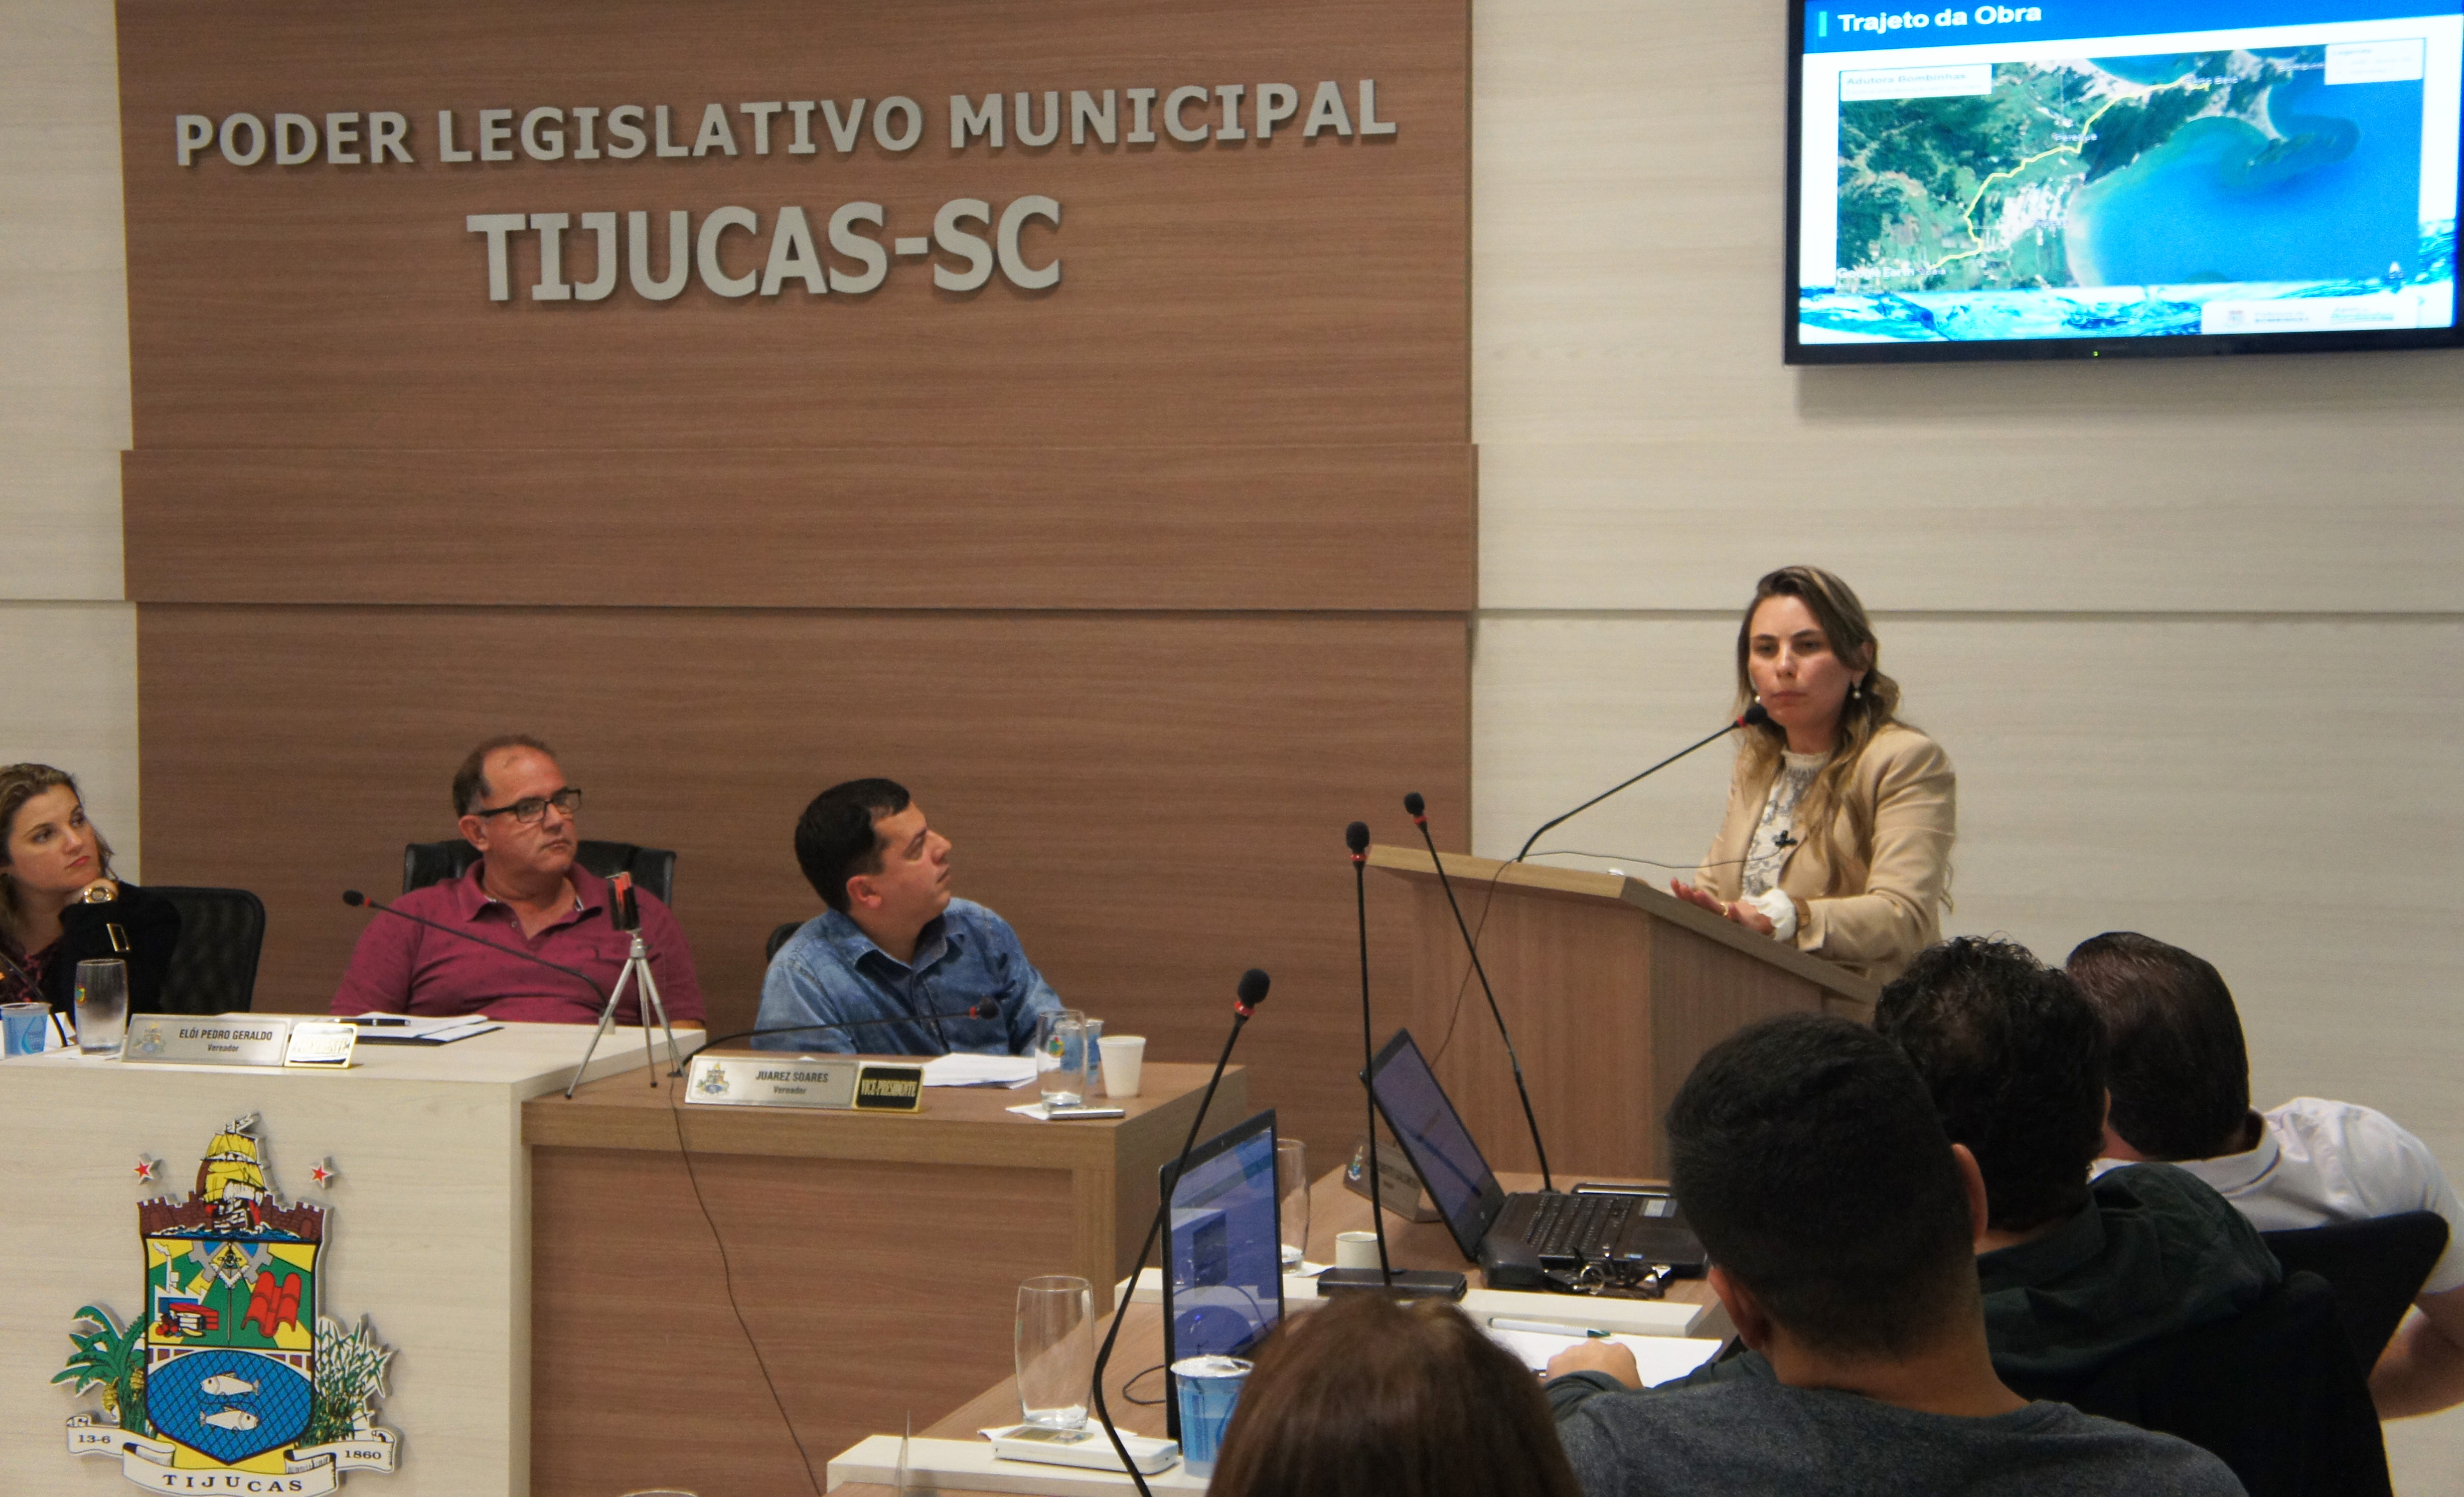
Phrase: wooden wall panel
[865,527]
[1285,290]
[1156,802]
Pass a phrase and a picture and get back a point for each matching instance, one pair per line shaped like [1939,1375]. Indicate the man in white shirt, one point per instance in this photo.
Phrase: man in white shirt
[2179,1083]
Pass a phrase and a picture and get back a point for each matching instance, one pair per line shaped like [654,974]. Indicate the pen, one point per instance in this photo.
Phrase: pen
[1547,1328]
[369,1021]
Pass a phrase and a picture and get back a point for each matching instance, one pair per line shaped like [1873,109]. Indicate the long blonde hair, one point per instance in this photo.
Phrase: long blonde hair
[20,783]
[1873,704]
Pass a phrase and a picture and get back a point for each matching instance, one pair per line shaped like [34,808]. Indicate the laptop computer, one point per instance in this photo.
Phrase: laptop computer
[1622,1230]
[1223,1271]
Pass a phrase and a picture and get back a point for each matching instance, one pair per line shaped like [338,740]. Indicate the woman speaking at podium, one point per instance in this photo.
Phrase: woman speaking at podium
[1840,816]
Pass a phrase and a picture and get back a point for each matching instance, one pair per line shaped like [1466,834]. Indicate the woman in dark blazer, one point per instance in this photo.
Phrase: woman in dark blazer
[59,902]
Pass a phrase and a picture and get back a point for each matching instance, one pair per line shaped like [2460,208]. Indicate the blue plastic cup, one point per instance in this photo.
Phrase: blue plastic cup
[22,1026]
[1209,1387]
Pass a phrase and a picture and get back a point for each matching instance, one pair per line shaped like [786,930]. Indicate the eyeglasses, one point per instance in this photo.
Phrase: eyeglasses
[531,807]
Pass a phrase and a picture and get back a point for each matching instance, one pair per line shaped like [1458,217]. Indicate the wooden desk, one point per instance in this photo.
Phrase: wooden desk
[427,1237]
[1333,1209]
[855,1242]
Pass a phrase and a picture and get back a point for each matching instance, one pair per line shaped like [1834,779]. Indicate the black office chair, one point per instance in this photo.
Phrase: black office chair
[2273,1392]
[213,968]
[778,938]
[2375,1266]
[653,868]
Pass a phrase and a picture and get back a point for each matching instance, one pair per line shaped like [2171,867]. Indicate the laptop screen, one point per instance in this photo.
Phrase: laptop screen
[1226,1254]
[1424,1122]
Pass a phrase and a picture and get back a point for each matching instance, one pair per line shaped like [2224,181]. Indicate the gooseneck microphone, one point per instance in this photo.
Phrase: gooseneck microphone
[355,899]
[1411,1283]
[1251,992]
[1754,717]
[1418,807]
[1356,838]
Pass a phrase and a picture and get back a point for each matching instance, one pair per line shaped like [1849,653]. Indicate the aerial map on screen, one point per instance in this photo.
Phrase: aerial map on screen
[2240,190]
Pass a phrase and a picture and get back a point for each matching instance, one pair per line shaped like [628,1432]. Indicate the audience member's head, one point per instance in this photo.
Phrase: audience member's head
[2178,1069]
[1815,1170]
[2014,1059]
[1366,1398]
[835,839]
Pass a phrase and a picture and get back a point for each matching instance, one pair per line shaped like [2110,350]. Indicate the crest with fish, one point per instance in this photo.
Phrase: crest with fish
[231,1368]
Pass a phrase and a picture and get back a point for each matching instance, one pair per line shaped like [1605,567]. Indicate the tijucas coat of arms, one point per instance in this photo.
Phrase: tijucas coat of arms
[231,1380]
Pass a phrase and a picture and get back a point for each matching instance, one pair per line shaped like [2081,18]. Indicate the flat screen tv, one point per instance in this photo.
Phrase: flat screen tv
[2092,178]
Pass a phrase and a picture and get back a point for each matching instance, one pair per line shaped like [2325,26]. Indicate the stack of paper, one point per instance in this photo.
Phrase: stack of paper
[979,1071]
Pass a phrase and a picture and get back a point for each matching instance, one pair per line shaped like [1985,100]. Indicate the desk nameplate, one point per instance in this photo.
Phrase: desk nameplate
[181,1039]
[807,1081]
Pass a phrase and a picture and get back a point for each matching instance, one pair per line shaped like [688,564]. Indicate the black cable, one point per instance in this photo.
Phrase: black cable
[1620,857]
[727,1273]
[1130,1381]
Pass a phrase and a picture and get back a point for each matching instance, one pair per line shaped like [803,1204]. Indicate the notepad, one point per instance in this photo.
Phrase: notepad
[1658,1358]
[405,1030]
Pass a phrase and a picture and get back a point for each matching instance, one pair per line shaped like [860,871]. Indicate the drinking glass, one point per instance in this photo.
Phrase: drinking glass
[101,1006]
[1046,1056]
[1093,1042]
[1060,1057]
[1292,1185]
[1056,1349]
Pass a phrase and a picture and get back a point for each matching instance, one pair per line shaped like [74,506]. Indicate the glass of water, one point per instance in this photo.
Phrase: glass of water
[1060,1057]
[1056,1349]
[1293,1187]
[101,1006]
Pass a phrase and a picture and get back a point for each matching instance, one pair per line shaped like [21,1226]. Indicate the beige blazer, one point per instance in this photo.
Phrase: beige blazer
[1874,914]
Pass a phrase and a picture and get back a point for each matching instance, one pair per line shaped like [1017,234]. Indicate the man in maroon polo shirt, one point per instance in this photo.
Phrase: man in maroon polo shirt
[525,892]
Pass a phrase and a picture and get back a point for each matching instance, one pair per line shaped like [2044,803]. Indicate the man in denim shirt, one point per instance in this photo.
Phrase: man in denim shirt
[893,946]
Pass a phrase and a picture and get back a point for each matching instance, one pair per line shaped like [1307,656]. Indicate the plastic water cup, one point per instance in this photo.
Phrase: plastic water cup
[1060,1057]
[1125,1060]
[1293,1186]
[22,1026]
[1093,1040]
[1056,1349]
[101,1006]
[1208,1388]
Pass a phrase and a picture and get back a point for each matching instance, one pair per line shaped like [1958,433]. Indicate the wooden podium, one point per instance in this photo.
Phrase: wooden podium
[1613,989]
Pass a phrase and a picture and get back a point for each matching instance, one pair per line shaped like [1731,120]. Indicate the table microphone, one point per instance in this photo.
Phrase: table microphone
[1754,717]
[1418,809]
[355,899]
[1251,992]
